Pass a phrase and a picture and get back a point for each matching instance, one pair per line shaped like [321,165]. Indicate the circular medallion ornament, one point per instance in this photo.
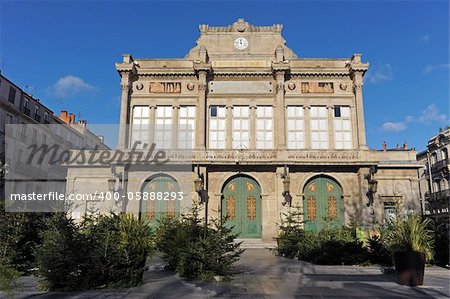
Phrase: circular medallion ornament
[140,86]
[240,25]
[190,86]
[343,86]
[291,86]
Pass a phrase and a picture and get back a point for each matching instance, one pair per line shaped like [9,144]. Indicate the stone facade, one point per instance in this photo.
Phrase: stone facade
[264,114]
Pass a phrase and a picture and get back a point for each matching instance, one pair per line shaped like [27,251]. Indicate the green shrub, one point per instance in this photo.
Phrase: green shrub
[19,235]
[61,254]
[104,250]
[8,278]
[196,251]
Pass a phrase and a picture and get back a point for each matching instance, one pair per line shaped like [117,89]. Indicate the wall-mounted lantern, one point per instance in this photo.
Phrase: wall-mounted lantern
[115,177]
[373,184]
[286,188]
[199,184]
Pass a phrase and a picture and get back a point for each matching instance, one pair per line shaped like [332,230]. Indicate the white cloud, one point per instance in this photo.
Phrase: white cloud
[394,126]
[431,68]
[70,86]
[425,39]
[430,114]
[380,74]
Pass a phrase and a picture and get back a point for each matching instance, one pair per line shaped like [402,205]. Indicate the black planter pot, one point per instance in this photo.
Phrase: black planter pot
[410,267]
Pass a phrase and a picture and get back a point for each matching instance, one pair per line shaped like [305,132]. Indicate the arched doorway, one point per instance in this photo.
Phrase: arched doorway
[160,198]
[322,203]
[241,204]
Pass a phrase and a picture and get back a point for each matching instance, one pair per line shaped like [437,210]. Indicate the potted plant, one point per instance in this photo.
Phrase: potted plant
[411,244]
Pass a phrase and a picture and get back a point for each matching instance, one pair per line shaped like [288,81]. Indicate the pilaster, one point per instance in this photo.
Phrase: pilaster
[252,126]
[229,127]
[201,115]
[307,126]
[175,122]
[331,143]
[280,111]
[124,109]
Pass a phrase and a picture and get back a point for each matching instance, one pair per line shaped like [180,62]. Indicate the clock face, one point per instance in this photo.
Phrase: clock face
[241,43]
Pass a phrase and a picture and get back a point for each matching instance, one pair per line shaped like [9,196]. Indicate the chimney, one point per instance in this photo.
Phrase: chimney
[405,146]
[64,117]
[71,118]
[384,146]
[82,123]
[102,138]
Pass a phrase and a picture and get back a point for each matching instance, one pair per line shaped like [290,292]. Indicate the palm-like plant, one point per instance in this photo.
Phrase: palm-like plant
[410,234]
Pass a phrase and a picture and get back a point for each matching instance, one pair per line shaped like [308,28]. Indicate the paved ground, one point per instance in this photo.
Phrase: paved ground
[262,275]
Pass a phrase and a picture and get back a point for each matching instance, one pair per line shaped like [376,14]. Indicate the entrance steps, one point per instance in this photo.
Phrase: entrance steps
[256,243]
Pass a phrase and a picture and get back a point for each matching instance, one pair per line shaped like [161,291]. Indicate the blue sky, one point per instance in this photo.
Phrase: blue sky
[65,51]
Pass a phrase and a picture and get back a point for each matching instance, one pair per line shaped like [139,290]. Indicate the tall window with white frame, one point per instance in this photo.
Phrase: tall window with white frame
[319,127]
[217,127]
[295,127]
[140,125]
[264,127]
[163,127]
[342,127]
[241,127]
[186,127]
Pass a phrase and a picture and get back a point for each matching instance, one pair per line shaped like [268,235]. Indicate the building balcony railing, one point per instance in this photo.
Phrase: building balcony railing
[436,167]
[439,195]
[26,110]
[37,117]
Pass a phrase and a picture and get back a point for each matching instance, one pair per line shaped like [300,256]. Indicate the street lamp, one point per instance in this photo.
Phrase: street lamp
[199,183]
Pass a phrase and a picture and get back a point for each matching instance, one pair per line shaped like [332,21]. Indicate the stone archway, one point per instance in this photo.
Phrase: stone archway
[323,203]
[241,204]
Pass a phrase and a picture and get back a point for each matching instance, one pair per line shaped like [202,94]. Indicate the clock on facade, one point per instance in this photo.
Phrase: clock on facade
[241,43]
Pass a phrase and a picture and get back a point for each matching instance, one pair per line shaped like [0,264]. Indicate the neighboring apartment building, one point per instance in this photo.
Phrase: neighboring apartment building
[39,126]
[434,176]
[266,126]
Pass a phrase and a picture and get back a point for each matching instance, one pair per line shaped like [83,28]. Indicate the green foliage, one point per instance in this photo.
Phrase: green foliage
[8,278]
[104,250]
[197,251]
[19,234]
[410,233]
[61,255]
[330,246]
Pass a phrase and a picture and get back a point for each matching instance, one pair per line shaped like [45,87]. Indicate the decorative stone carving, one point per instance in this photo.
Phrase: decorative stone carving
[240,25]
[202,87]
[280,87]
[317,87]
[125,87]
[165,87]
[357,86]
[343,86]
[190,86]
[292,86]
[139,86]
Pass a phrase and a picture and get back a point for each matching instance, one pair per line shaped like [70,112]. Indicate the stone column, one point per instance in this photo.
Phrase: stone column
[331,144]
[252,126]
[307,126]
[201,114]
[280,111]
[176,109]
[354,127]
[124,110]
[357,89]
[229,127]
[152,123]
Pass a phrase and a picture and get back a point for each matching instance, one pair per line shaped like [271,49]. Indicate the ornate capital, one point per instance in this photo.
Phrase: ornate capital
[202,86]
[125,87]
[357,87]
[280,86]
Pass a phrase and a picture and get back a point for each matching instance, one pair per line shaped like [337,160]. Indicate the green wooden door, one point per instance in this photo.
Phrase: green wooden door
[161,199]
[323,204]
[241,203]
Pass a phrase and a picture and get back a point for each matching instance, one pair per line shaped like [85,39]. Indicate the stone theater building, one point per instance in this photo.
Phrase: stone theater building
[266,128]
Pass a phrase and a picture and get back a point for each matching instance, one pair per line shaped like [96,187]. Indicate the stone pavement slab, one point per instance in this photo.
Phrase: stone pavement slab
[260,274]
